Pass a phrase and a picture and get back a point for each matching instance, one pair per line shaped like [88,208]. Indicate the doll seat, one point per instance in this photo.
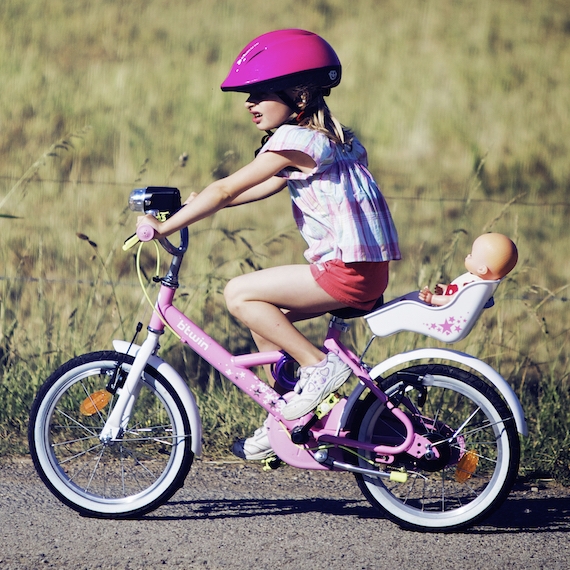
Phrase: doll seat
[448,323]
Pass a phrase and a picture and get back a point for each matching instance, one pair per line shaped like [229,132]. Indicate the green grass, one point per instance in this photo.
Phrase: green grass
[430,86]
[464,108]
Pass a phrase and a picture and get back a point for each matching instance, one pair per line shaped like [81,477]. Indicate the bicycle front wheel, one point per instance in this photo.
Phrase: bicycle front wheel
[476,442]
[121,479]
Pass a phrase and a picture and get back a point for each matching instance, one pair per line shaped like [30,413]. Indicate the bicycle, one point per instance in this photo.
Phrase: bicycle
[432,435]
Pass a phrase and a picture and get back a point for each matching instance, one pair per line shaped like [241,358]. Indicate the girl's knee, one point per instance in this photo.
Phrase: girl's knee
[232,295]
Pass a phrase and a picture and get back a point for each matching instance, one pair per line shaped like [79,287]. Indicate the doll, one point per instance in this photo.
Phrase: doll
[492,257]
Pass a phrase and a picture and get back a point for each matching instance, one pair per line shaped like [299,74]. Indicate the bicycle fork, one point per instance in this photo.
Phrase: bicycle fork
[119,417]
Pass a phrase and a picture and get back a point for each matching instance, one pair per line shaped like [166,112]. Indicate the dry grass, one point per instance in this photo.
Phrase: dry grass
[464,108]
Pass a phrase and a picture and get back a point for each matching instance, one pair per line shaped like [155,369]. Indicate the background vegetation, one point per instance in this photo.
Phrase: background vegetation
[463,107]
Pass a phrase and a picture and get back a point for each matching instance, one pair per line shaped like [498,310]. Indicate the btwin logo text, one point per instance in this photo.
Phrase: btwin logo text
[187,332]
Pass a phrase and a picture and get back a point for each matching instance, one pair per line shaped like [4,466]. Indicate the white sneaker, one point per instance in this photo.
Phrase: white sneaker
[315,384]
[254,448]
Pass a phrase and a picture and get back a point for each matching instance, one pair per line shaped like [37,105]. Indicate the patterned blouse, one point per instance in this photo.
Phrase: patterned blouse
[338,207]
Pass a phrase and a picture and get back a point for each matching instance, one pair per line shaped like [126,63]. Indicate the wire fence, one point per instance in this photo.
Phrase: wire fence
[423,197]
[543,205]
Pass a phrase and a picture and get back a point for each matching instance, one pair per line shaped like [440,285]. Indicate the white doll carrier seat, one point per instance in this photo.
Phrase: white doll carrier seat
[448,323]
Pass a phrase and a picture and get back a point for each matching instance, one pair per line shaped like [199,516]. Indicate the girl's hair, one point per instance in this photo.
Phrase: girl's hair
[315,114]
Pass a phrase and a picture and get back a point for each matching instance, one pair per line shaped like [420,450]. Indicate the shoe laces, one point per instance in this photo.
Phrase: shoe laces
[312,377]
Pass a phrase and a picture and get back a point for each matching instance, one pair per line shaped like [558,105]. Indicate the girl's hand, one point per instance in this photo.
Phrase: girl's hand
[149,220]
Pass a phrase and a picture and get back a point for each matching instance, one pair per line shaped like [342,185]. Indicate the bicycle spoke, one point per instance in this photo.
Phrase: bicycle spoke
[473,467]
[86,452]
[73,420]
[133,473]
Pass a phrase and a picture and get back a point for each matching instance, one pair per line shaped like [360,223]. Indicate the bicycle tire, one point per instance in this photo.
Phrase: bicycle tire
[124,479]
[477,466]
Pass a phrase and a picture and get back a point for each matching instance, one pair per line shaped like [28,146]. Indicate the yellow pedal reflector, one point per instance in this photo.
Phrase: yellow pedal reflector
[327,405]
[466,467]
[271,463]
[95,402]
[399,476]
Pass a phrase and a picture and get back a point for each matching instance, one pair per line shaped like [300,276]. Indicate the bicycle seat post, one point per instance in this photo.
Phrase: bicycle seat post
[337,326]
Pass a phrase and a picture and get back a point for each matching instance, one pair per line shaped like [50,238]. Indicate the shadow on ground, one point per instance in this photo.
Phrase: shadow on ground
[516,514]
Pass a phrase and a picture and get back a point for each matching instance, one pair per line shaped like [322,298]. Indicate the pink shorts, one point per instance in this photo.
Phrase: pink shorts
[357,285]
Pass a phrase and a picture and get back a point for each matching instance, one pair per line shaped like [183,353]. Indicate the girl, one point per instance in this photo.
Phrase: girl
[337,206]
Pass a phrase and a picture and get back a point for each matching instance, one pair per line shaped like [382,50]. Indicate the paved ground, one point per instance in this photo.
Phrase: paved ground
[236,516]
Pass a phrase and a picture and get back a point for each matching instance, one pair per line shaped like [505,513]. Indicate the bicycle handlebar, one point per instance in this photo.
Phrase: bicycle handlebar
[161,202]
[147,233]
[143,233]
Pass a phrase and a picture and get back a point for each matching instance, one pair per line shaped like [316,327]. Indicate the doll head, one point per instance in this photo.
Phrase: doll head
[492,256]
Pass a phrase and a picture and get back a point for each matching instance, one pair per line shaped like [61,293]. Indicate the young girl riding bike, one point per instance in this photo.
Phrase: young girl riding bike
[337,206]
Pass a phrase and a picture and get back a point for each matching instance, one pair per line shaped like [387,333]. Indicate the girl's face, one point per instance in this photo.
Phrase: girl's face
[268,110]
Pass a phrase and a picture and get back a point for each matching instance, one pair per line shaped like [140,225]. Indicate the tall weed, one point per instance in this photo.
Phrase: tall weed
[464,110]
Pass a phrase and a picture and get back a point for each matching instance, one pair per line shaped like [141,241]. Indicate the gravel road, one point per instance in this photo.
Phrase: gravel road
[234,515]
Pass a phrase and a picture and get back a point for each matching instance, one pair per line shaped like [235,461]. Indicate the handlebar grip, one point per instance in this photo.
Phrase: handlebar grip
[145,233]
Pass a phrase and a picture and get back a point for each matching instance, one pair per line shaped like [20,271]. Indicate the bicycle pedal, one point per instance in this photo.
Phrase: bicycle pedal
[271,463]
[327,405]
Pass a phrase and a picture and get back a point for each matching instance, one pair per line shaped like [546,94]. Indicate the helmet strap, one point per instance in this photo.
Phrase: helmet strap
[264,139]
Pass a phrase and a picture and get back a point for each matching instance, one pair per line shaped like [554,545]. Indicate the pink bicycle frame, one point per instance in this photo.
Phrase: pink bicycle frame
[237,370]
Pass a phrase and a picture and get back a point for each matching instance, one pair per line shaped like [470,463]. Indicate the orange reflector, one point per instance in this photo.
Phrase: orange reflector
[95,402]
[466,467]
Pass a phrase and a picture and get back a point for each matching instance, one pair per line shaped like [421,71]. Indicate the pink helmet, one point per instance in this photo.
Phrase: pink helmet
[282,59]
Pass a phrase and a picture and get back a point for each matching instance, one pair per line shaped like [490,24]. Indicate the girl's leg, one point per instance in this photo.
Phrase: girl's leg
[259,300]
[268,302]
[264,345]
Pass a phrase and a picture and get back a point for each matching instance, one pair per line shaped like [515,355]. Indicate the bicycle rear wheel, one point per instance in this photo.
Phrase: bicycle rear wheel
[478,449]
[121,479]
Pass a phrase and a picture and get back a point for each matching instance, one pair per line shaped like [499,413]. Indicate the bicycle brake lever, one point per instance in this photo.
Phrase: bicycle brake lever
[130,242]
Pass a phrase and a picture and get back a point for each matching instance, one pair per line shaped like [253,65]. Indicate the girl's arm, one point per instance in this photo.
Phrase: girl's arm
[274,184]
[260,191]
[258,176]
[263,190]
